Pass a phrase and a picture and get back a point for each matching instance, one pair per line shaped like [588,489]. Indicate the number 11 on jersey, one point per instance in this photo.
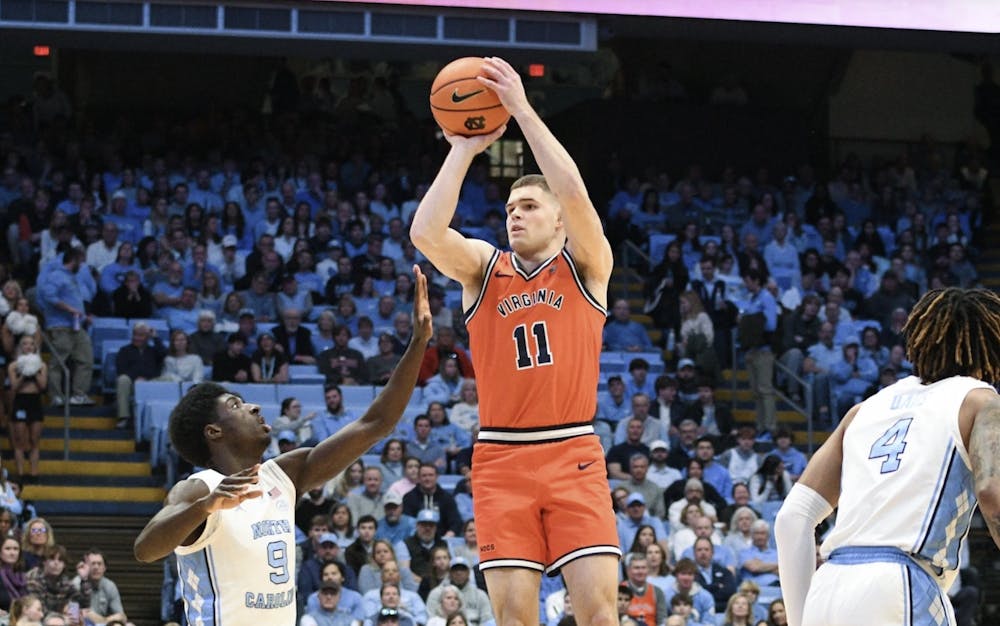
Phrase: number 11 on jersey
[540,334]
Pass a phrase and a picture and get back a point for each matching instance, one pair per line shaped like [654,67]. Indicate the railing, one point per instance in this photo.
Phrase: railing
[805,409]
[807,398]
[67,385]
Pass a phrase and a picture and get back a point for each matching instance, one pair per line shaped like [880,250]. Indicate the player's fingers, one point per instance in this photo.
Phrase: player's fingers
[504,67]
[250,494]
[249,471]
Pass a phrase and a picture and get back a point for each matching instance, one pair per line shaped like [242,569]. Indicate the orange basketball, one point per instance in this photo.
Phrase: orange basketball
[461,104]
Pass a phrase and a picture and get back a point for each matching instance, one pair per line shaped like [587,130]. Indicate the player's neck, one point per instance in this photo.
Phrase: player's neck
[229,462]
[529,260]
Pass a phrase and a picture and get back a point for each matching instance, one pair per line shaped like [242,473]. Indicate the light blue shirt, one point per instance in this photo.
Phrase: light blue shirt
[619,336]
[59,286]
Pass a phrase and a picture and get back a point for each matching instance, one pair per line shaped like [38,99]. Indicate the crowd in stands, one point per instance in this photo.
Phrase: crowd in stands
[278,244]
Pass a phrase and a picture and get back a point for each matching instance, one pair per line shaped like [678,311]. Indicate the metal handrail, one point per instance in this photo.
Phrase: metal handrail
[629,248]
[807,390]
[67,385]
[807,397]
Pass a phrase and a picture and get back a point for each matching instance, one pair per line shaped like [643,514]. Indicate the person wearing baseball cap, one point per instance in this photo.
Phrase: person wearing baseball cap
[659,473]
[637,516]
[394,525]
[423,541]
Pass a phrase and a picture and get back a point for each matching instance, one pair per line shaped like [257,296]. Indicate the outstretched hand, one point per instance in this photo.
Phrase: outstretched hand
[422,326]
[234,489]
[503,79]
[476,143]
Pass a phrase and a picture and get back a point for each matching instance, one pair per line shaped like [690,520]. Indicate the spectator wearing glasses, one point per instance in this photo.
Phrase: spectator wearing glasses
[37,537]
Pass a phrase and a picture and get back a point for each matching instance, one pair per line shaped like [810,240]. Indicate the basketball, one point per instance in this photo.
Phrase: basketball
[461,104]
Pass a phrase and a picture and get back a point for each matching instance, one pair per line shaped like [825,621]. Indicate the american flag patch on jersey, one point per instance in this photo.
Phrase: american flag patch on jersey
[274,492]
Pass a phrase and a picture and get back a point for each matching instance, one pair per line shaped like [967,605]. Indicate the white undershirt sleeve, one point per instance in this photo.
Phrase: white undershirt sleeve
[794,533]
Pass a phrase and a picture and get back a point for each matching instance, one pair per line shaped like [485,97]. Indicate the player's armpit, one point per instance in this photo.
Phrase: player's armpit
[984,452]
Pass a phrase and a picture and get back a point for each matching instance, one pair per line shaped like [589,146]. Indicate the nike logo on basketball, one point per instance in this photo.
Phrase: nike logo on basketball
[459,98]
[583,466]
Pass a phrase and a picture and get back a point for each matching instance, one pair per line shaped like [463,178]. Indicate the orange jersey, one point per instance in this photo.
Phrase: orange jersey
[536,343]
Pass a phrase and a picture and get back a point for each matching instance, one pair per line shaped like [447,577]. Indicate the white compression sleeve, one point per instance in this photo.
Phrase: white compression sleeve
[794,533]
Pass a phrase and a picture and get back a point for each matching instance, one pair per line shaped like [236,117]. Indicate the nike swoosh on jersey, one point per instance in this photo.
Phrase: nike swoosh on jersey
[583,466]
[456,98]
[502,275]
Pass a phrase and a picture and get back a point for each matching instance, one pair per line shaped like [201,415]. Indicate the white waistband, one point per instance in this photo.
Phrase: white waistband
[535,435]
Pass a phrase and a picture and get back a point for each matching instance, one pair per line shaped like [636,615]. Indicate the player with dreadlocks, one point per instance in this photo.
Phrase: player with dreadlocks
[906,467]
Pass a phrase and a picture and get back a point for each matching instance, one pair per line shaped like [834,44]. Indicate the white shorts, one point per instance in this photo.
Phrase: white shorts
[875,591]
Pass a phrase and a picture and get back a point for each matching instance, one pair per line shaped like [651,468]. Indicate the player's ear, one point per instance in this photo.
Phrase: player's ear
[212,431]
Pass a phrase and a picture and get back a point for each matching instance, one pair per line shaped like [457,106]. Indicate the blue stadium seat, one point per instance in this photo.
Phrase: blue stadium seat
[257,394]
[357,394]
[371,459]
[109,369]
[305,374]
[658,247]
[308,395]
[147,391]
[448,481]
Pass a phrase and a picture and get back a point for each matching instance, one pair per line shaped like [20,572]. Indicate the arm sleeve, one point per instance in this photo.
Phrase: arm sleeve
[794,531]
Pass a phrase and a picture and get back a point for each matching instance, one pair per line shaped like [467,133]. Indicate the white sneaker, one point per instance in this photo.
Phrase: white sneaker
[57,401]
[80,400]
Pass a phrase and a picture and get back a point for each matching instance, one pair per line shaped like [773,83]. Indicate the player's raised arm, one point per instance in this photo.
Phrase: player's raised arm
[311,467]
[984,452]
[452,253]
[584,231]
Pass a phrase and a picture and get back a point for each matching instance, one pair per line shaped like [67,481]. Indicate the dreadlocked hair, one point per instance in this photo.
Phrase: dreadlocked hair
[955,332]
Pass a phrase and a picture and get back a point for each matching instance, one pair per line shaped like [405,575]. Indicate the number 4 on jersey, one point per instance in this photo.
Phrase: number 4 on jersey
[891,445]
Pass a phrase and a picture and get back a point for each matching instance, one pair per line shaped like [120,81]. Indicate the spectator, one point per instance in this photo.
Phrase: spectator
[429,495]
[380,367]
[464,414]
[329,612]
[713,420]
[204,341]
[423,447]
[741,461]
[696,339]
[336,416]
[738,611]
[61,301]
[104,252]
[445,434]
[450,599]
[232,365]
[661,474]
[360,552]
[638,381]
[28,376]
[475,603]
[649,604]
[105,601]
[712,473]
[445,386]
[618,456]
[394,526]
[712,575]
[612,405]
[771,483]
[268,363]
[26,611]
[179,364]
[411,473]
[350,600]
[294,339]
[421,543]
[682,446]
[142,359]
[685,575]
[36,538]
[759,562]
[383,558]
[854,378]
[341,521]
[634,519]
[444,346]
[368,501]
[694,493]
[12,575]
[758,320]
[653,428]
[260,299]
[793,459]
[639,483]
[327,550]
[666,407]
[50,582]
[365,342]
[799,331]
[342,364]
[622,334]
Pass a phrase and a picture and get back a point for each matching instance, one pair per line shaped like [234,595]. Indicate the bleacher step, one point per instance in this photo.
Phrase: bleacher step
[78,468]
[41,493]
[78,422]
[55,444]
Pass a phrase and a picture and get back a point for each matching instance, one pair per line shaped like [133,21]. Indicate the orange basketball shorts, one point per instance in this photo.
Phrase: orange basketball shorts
[542,505]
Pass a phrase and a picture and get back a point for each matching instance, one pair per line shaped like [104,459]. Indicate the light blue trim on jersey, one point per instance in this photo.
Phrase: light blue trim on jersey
[214,573]
[924,601]
[199,588]
[950,513]
[925,525]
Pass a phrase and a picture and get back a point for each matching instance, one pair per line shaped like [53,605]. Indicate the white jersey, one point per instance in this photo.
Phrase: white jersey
[241,570]
[906,480]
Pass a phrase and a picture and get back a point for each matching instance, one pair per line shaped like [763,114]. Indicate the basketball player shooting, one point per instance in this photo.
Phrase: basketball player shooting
[535,317]
[906,468]
[232,525]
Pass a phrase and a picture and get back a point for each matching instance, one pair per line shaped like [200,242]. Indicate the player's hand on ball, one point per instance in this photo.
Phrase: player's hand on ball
[235,489]
[422,326]
[475,143]
[502,78]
